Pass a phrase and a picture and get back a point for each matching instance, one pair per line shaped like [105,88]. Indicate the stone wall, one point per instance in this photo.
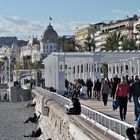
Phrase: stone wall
[56,124]
[18,94]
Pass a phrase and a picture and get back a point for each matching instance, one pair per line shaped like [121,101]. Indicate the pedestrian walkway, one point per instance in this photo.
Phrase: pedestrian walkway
[108,110]
[12,116]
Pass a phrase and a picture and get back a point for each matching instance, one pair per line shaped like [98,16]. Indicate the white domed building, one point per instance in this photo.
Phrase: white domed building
[48,41]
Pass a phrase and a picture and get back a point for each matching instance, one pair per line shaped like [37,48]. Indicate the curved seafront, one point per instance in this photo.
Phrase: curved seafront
[12,116]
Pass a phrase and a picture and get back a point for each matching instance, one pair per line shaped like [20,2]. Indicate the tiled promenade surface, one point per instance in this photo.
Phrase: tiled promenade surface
[12,116]
[99,106]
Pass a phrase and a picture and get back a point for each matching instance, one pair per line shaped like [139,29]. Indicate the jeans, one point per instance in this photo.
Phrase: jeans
[136,106]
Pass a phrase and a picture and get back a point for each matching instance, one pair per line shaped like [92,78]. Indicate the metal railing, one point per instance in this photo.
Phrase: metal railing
[93,116]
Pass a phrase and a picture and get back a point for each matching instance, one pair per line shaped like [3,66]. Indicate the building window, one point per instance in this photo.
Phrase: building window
[132,69]
[87,67]
[126,67]
[50,47]
[92,68]
[81,68]
[113,70]
[98,69]
[78,69]
[61,67]
[110,69]
[117,69]
[74,69]
[121,69]
[65,66]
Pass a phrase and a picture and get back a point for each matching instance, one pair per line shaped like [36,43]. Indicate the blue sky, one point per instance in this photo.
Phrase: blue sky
[22,18]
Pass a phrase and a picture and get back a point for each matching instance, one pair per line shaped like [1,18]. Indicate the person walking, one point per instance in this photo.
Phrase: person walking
[122,92]
[105,89]
[135,92]
[97,89]
[89,85]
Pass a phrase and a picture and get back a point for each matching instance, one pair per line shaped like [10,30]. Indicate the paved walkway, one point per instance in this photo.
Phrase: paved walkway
[12,116]
[108,110]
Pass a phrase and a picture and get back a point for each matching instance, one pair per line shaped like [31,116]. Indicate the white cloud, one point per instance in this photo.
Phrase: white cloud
[138,11]
[63,27]
[121,12]
[15,26]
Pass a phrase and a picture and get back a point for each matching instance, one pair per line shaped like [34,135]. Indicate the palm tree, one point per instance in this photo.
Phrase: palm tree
[129,44]
[78,47]
[89,44]
[112,41]
[66,44]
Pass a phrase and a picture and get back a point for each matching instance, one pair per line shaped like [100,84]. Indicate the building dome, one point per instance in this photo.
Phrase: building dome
[49,35]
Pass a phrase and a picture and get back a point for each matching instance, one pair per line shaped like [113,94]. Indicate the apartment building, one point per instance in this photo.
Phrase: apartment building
[83,33]
[124,26]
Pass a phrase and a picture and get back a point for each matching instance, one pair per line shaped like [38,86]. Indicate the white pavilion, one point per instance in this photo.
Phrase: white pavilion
[82,65]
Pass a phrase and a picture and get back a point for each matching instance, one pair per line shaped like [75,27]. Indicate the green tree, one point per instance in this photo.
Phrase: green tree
[112,41]
[66,44]
[38,65]
[89,44]
[129,44]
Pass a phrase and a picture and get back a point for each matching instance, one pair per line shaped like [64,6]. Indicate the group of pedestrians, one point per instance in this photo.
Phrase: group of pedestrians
[125,89]
[122,89]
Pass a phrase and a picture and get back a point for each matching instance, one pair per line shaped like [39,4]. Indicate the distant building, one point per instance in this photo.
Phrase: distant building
[32,49]
[48,42]
[125,27]
[83,33]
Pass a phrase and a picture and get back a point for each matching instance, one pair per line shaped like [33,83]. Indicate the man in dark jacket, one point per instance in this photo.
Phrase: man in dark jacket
[76,109]
[97,89]
[135,92]
[89,85]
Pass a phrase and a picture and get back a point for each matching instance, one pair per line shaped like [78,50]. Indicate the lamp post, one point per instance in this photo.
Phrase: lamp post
[138,41]
[120,45]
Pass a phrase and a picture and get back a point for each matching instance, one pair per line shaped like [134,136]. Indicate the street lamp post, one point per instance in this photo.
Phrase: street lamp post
[9,59]
[120,45]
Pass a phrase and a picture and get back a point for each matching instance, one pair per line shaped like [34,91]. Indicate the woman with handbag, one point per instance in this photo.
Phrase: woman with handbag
[121,93]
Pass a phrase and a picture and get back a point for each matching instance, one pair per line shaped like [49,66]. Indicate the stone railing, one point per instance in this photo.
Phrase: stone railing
[55,123]
[52,107]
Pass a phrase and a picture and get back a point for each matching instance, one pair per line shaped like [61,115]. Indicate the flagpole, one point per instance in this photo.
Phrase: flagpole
[50,20]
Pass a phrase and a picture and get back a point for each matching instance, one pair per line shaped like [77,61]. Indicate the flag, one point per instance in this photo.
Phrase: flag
[50,18]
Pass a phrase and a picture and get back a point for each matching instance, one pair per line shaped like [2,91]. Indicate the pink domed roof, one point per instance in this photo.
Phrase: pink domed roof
[49,35]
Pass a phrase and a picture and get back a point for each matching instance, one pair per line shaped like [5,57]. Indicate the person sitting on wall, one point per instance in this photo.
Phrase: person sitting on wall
[133,133]
[33,119]
[76,107]
[36,133]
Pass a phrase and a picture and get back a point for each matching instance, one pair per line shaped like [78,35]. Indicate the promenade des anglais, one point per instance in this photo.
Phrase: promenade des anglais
[69,70]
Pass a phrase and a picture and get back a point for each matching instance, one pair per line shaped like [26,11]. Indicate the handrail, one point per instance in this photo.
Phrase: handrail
[110,123]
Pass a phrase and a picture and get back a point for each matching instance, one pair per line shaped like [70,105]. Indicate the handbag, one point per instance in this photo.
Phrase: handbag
[115,104]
